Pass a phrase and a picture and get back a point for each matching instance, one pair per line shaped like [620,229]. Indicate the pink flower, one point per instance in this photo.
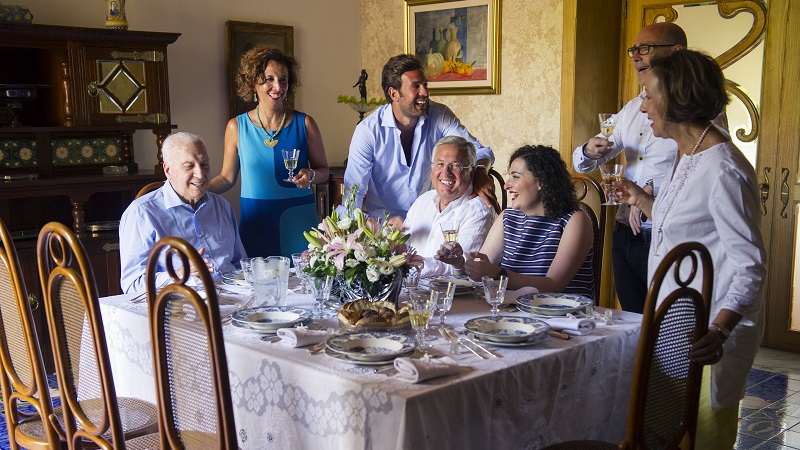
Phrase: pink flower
[338,249]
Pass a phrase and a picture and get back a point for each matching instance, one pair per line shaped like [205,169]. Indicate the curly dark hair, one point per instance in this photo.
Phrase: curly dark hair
[692,84]
[251,71]
[394,69]
[558,193]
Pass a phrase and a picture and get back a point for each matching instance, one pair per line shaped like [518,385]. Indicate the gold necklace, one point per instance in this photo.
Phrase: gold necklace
[271,142]
[681,181]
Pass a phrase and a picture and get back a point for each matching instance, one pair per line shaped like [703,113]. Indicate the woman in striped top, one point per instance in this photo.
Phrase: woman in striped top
[542,240]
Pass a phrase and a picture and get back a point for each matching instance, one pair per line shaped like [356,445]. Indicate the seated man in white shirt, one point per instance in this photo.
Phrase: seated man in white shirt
[452,170]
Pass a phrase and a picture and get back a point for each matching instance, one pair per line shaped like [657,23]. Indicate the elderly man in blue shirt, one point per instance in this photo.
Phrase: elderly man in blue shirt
[391,150]
[182,208]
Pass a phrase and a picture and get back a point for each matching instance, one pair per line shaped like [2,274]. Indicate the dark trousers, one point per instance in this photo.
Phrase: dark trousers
[629,260]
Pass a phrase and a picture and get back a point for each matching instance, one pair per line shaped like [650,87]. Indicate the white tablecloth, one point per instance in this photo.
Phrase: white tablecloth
[285,398]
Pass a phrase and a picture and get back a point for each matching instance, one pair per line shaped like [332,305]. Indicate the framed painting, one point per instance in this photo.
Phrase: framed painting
[458,42]
[243,36]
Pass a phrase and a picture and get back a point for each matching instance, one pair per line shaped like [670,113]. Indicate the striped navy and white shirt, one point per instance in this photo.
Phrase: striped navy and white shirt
[531,243]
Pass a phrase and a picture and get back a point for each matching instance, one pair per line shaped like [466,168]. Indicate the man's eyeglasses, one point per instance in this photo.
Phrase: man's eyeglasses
[454,167]
[646,48]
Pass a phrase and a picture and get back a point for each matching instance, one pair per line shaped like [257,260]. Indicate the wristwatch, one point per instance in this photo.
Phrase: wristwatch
[649,183]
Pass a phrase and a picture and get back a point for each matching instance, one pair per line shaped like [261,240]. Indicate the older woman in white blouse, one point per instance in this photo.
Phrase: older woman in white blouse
[711,198]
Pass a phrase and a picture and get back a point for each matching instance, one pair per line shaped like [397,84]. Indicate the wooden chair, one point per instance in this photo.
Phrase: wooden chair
[150,187]
[23,377]
[585,187]
[194,393]
[92,413]
[499,182]
[662,412]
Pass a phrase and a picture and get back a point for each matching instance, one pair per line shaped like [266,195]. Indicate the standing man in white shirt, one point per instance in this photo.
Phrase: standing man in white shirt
[452,170]
[649,160]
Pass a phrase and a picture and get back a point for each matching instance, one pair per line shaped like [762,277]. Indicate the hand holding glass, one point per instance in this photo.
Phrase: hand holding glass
[450,231]
[290,161]
[607,124]
[495,289]
[611,173]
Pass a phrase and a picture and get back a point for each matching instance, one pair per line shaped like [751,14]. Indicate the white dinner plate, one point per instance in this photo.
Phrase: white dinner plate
[371,346]
[534,340]
[234,278]
[506,328]
[270,317]
[345,358]
[549,304]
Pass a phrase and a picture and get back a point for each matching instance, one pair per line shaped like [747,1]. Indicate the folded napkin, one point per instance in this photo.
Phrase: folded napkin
[300,337]
[574,327]
[415,370]
[511,296]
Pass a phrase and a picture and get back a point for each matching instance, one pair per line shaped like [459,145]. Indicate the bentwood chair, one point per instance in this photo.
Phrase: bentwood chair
[662,413]
[93,415]
[586,187]
[23,377]
[150,187]
[194,394]
[499,182]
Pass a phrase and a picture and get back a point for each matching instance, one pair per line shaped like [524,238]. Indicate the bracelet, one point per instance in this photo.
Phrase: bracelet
[724,331]
[313,175]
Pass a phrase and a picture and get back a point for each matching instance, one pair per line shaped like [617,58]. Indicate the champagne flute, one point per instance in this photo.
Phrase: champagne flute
[607,124]
[495,289]
[290,161]
[420,308]
[611,172]
[450,231]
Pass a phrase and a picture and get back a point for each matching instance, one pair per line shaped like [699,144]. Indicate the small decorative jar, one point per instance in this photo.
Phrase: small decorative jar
[115,15]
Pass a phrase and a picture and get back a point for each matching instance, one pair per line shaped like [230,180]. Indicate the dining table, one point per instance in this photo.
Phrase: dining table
[286,398]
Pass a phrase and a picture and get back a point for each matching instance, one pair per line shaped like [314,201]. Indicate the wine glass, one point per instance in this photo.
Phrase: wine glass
[322,291]
[444,302]
[247,270]
[420,307]
[290,161]
[299,267]
[611,172]
[495,289]
[607,124]
[450,231]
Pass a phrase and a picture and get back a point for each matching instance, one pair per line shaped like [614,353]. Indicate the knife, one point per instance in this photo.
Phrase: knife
[487,350]
[453,339]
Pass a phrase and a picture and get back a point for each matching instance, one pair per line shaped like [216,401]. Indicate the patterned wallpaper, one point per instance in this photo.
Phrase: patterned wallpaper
[527,109]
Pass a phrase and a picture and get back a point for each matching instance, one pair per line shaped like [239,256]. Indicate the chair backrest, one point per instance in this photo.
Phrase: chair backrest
[149,188]
[666,384]
[69,292]
[194,391]
[499,183]
[586,187]
[23,376]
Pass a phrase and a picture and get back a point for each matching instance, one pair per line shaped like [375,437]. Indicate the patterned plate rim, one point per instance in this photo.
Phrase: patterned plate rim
[525,299]
[343,357]
[241,315]
[335,343]
[470,325]
[534,340]
[244,326]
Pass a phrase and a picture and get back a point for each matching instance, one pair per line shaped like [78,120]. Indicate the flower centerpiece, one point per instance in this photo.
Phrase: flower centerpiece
[367,255]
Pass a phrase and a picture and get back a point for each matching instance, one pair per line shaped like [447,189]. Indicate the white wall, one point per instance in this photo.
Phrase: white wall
[327,43]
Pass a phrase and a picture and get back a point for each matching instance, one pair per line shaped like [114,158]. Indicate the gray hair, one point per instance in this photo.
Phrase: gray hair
[178,140]
[463,146]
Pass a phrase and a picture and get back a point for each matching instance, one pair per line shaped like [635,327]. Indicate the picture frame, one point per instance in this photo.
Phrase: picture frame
[243,36]
[469,63]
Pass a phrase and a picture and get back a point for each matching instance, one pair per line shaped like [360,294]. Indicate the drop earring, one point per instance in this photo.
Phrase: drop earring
[255,97]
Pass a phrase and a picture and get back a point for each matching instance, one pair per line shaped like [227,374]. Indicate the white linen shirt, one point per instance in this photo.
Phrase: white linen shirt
[718,206]
[377,164]
[422,222]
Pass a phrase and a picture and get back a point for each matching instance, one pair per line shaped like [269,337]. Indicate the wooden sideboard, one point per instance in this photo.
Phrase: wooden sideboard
[70,101]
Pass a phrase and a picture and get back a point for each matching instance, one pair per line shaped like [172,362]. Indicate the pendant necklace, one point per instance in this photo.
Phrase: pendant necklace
[271,142]
[678,187]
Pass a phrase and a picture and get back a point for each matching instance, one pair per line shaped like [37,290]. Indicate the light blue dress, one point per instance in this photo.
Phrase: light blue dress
[273,213]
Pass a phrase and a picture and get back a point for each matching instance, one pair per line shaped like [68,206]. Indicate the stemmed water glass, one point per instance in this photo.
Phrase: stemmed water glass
[420,307]
[247,270]
[290,161]
[611,172]
[444,302]
[495,289]
[450,231]
[299,267]
[322,291]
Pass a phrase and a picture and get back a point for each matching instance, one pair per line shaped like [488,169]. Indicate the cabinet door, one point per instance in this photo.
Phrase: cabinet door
[124,86]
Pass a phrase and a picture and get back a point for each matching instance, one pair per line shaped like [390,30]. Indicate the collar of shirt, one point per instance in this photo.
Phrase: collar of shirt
[388,120]
[452,205]
[172,200]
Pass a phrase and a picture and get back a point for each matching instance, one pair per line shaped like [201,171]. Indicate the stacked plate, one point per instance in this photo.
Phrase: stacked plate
[507,331]
[235,278]
[462,283]
[267,319]
[369,348]
[550,305]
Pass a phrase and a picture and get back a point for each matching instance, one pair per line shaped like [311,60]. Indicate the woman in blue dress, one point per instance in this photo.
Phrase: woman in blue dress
[273,213]
[542,240]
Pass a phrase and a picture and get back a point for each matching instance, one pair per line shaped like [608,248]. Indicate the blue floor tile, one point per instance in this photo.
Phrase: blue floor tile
[771,390]
[745,442]
[757,376]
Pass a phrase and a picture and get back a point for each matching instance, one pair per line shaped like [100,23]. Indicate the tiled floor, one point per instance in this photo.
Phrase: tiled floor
[769,415]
